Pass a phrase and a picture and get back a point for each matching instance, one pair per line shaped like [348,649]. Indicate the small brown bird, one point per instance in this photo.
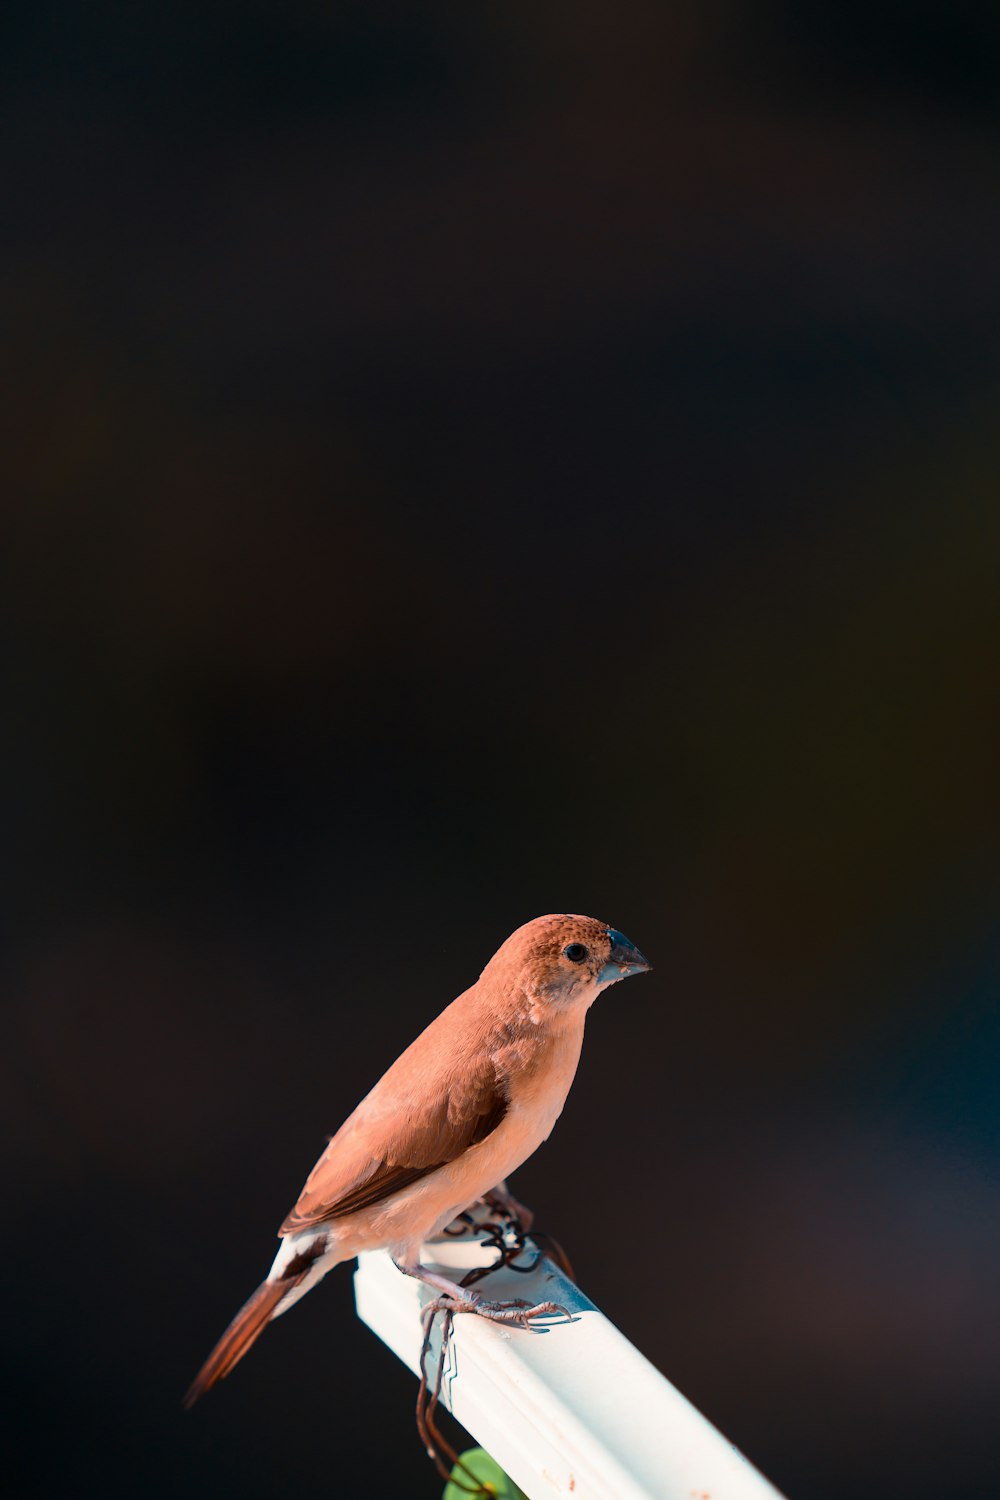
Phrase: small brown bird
[457,1112]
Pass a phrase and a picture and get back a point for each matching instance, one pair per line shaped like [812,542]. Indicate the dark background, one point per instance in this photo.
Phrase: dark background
[463,462]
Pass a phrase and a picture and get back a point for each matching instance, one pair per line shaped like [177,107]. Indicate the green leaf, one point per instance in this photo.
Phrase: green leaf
[488,1472]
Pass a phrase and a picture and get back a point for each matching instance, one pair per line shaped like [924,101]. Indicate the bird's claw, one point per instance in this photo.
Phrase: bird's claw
[520,1313]
[517,1312]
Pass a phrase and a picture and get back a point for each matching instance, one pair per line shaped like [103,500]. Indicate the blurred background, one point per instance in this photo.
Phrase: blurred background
[465,462]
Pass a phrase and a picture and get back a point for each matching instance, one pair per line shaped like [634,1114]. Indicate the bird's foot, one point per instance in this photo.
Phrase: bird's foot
[520,1314]
[515,1313]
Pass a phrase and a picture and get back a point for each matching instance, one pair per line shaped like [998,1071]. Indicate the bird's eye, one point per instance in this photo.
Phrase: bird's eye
[575,952]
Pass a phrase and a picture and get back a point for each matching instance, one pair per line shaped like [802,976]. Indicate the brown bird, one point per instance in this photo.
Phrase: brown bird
[457,1112]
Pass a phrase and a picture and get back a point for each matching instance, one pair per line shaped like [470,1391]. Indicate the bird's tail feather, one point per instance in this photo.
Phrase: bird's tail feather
[250,1322]
[244,1331]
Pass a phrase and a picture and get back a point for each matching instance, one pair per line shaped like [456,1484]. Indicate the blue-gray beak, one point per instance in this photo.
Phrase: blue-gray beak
[625,960]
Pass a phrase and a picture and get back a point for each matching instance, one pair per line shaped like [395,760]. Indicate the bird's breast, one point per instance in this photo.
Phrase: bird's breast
[537,1092]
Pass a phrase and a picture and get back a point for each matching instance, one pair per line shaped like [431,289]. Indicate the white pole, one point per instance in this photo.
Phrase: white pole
[573,1410]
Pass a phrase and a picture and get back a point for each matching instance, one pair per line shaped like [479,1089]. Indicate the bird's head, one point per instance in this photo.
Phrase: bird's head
[564,960]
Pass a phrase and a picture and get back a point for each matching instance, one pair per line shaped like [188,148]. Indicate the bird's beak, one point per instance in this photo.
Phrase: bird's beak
[625,960]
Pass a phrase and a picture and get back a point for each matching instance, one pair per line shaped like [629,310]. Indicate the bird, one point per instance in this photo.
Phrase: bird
[458,1111]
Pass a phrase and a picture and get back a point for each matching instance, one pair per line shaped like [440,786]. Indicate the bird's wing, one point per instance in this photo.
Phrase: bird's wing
[430,1107]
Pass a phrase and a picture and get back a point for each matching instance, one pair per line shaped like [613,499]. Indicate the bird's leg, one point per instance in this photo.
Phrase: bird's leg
[460,1225]
[455,1298]
[508,1240]
[520,1219]
[502,1201]
[463,1300]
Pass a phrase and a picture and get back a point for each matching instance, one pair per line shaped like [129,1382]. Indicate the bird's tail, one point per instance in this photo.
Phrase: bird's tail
[251,1320]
